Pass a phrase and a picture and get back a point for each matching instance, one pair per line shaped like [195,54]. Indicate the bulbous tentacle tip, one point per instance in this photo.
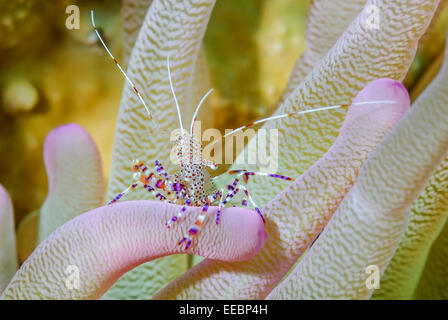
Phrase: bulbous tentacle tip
[393,90]
[66,137]
[66,141]
[62,131]
[387,98]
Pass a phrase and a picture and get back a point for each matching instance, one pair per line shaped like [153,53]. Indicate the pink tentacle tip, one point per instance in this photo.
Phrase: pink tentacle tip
[261,215]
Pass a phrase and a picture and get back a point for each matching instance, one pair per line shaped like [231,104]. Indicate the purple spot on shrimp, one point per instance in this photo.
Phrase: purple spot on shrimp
[193,231]
[188,244]
[161,197]
[244,203]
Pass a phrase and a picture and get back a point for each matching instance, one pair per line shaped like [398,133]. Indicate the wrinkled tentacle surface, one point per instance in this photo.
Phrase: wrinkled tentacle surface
[428,213]
[102,244]
[134,12]
[326,22]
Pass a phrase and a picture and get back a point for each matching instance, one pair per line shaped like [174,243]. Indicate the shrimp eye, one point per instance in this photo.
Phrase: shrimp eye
[136,165]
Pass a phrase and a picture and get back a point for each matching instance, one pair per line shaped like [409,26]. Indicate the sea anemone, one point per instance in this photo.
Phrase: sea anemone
[369,191]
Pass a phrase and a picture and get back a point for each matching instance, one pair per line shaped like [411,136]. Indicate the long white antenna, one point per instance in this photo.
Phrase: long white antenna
[118,65]
[195,115]
[302,112]
[174,94]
